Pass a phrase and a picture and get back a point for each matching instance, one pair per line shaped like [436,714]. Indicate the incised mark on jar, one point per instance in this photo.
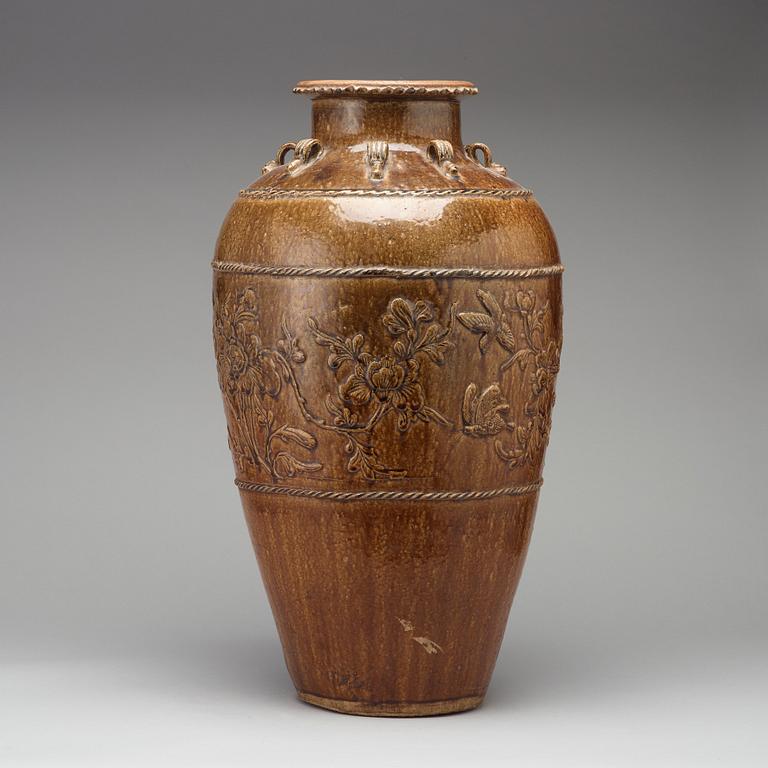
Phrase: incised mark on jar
[523,330]
[430,646]
[347,680]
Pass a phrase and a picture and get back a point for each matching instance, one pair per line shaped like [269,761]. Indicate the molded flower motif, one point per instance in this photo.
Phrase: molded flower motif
[403,316]
[524,331]
[389,381]
[547,366]
[378,384]
[244,364]
[248,372]
[525,300]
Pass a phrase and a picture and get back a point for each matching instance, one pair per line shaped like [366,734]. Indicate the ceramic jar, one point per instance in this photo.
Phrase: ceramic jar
[387,326]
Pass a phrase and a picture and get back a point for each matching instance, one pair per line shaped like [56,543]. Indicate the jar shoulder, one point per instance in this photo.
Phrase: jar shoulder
[405,230]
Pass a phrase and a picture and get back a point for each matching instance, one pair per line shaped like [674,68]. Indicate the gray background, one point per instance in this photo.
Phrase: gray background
[134,627]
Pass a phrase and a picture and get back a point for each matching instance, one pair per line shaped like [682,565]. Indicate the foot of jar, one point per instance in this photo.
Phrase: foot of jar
[393,709]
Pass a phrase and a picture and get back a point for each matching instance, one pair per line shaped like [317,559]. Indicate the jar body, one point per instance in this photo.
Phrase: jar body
[387,353]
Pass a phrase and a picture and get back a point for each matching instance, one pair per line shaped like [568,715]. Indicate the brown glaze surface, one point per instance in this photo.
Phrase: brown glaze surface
[387,323]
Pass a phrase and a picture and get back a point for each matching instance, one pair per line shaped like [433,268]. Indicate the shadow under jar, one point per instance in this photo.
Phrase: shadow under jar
[387,327]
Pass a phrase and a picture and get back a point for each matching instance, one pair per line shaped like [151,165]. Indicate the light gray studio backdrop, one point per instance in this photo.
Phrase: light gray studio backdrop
[134,629]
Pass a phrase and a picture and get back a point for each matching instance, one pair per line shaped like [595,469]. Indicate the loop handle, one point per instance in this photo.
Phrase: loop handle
[304,151]
[471,151]
[440,152]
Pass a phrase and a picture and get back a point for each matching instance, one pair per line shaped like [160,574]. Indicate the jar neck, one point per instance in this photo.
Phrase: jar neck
[347,120]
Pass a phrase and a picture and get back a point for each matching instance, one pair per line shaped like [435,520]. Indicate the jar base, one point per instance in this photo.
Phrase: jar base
[393,709]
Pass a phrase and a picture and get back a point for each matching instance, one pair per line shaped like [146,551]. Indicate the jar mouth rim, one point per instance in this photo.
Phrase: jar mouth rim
[386,87]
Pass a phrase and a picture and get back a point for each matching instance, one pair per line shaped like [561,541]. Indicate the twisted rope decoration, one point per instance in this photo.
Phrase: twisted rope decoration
[309,493]
[387,90]
[418,273]
[274,193]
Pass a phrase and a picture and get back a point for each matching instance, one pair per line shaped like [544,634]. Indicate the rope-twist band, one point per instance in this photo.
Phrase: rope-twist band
[414,273]
[310,493]
[353,89]
[273,193]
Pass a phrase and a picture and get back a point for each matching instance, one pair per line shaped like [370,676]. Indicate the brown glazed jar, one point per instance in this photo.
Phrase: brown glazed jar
[387,325]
